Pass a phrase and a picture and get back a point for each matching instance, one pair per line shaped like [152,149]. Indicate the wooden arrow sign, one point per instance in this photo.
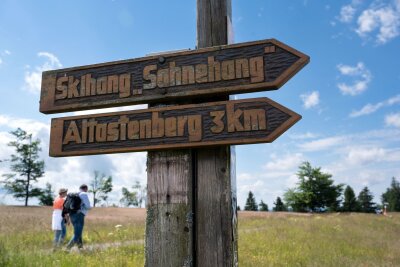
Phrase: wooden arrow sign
[250,121]
[223,70]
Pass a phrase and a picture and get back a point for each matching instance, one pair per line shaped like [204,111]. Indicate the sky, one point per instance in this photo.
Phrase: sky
[348,95]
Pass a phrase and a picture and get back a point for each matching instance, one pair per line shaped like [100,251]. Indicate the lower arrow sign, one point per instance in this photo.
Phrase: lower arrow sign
[249,121]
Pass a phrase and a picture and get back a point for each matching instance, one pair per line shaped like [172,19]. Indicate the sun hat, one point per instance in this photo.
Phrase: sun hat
[62,190]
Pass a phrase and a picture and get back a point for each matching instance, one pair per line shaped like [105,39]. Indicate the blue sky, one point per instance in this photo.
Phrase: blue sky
[348,95]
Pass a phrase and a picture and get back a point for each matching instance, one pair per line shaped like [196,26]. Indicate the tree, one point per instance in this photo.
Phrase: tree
[140,192]
[25,166]
[392,196]
[251,203]
[263,206]
[279,206]
[47,196]
[101,185]
[365,201]
[129,198]
[350,201]
[135,197]
[315,190]
[296,199]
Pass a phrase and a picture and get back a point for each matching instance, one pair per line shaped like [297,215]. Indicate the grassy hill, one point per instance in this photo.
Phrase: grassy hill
[115,237]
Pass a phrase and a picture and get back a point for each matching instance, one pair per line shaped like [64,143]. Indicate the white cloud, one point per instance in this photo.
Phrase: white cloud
[29,125]
[382,135]
[379,20]
[371,108]
[322,144]
[347,13]
[33,79]
[288,162]
[307,135]
[367,109]
[343,143]
[4,53]
[393,120]
[365,155]
[350,70]
[5,150]
[244,176]
[393,155]
[357,88]
[384,21]
[129,168]
[52,60]
[361,78]
[310,99]
[39,130]
[292,181]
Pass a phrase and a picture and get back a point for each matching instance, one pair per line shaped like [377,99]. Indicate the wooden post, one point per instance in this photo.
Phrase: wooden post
[169,231]
[215,205]
[191,210]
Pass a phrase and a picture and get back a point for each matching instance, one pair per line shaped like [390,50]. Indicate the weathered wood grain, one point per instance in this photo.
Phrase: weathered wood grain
[169,222]
[216,218]
[212,71]
[248,121]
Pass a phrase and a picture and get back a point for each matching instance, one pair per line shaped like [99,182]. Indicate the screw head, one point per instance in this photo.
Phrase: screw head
[161,60]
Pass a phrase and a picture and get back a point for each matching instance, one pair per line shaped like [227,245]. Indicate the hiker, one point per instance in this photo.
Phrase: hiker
[78,217]
[59,219]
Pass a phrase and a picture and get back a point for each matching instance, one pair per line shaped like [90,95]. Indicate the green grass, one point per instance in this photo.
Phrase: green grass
[265,239]
[26,238]
[320,240]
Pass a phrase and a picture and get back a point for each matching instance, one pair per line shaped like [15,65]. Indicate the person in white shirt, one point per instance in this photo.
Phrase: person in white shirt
[78,218]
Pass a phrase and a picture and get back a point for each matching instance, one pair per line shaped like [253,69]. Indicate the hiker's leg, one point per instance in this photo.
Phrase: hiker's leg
[74,222]
[57,235]
[80,222]
[63,231]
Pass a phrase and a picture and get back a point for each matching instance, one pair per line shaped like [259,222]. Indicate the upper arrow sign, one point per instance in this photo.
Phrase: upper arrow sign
[222,70]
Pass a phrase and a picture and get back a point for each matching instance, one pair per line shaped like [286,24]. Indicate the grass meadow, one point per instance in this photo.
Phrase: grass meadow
[114,237]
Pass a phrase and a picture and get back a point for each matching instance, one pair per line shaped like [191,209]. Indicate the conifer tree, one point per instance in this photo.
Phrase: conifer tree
[279,206]
[25,166]
[365,200]
[251,203]
[263,206]
[392,196]
[350,201]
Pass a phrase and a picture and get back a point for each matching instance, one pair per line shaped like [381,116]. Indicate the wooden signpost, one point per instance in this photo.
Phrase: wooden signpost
[249,121]
[191,186]
[220,70]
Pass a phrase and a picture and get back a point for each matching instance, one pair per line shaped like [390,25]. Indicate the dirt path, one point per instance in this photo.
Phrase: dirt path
[104,246]
[99,247]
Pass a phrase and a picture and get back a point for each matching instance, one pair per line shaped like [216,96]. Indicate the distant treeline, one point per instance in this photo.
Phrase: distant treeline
[315,191]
